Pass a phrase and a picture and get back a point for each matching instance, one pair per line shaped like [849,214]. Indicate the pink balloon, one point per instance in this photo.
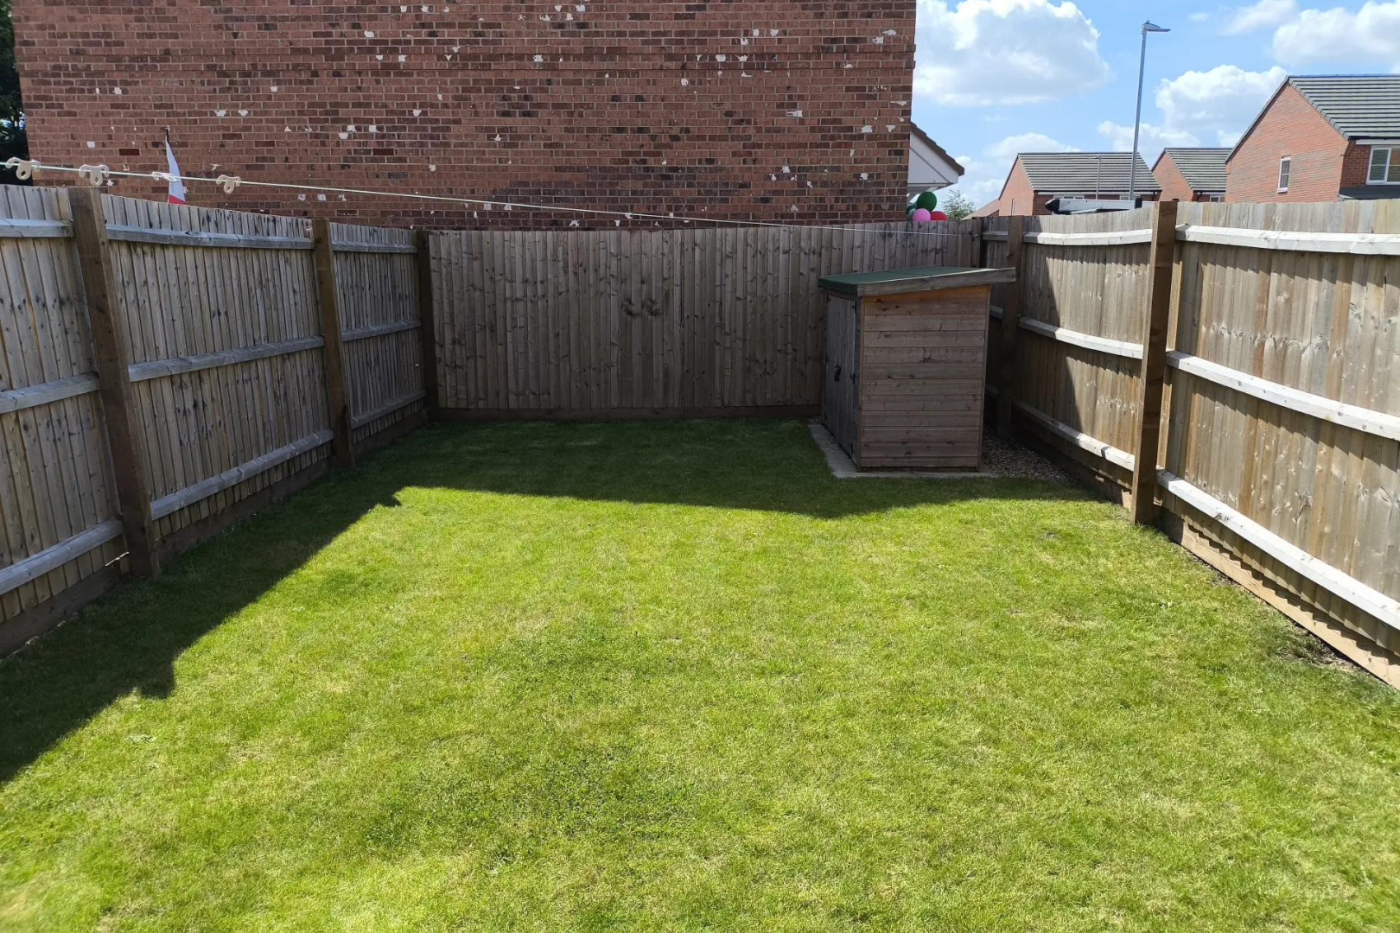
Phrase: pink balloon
[921,216]
[938,215]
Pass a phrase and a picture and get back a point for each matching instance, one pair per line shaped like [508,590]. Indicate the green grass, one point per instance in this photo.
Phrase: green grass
[675,677]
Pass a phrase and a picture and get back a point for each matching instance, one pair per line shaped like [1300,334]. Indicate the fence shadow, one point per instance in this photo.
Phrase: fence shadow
[129,640]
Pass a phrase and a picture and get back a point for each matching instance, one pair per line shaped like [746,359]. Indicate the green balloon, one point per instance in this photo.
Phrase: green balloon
[928,201]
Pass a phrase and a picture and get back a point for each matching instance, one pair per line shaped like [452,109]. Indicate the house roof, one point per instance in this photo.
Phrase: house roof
[1084,172]
[1355,105]
[1203,169]
[914,130]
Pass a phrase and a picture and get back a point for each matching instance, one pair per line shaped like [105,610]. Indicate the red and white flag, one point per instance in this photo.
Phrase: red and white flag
[177,187]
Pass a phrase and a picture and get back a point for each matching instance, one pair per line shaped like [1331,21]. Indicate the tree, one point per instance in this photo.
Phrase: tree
[956,205]
[13,140]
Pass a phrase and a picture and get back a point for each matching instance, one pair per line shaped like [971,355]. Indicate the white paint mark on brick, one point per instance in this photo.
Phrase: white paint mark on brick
[275,89]
[369,33]
[320,197]
[787,170]
[539,58]
[432,168]
[91,144]
[774,32]
[867,129]
[794,113]
[344,135]
[878,40]
[403,58]
[373,128]
[864,176]
[379,58]
[417,113]
[890,127]
[220,113]
[685,82]
[302,196]
[497,138]
[745,74]
[242,113]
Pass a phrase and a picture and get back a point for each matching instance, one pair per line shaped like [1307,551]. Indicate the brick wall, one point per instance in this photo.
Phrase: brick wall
[763,110]
[1174,184]
[1289,127]
[1017,196]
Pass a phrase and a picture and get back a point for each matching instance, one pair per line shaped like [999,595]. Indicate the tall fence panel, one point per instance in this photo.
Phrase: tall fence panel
[1280,451]
[57,504]
[222,365]
[627,323]
[376,279]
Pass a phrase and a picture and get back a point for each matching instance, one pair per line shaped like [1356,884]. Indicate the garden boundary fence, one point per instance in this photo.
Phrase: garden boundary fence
[167,369]
[1231,372]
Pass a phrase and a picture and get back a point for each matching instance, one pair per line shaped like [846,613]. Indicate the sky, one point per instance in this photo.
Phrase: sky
[997,77]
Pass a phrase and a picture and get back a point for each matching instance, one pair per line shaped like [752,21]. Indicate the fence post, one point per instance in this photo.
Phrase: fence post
[427,326]
[329,303]
[1154,362]
[114,380]
[1010,323]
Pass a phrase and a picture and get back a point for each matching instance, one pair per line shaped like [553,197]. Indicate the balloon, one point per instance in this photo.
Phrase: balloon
[922,216]
[938,215]
[928,201]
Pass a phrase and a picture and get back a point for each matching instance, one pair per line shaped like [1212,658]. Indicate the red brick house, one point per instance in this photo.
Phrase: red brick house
[1321,138]
[1191,174]
[1038,178]
[757,110]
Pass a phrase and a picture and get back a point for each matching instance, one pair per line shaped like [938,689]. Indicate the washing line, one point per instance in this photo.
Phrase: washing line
[97,176]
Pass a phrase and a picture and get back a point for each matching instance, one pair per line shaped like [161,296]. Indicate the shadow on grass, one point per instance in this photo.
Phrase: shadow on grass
[129,640]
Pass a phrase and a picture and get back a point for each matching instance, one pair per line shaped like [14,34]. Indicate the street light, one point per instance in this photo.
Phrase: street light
[1137,118]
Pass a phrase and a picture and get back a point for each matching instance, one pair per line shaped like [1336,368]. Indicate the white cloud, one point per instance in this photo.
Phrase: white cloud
[1222,101]
[987,172]
[1199,16]
[1003,52]
[1266,14]
[1151,140]
[1371,33]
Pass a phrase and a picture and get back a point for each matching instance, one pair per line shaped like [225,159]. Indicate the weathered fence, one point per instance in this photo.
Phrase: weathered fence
[167,369]
[1276,456]
[668,322]
[1231,372]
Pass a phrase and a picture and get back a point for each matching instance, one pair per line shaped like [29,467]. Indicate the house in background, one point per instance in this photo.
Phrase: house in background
[1191,174]
[930,166]
[1070,182]
[625,106]
[1321,138]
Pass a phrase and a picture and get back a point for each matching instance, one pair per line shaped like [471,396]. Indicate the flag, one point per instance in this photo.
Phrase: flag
[177,187]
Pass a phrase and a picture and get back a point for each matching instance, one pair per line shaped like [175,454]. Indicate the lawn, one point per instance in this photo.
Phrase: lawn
[676,677]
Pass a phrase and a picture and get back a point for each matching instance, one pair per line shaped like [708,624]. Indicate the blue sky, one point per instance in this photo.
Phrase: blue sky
[995,77]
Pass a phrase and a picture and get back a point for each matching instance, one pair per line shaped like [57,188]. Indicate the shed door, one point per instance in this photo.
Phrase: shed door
[839,371]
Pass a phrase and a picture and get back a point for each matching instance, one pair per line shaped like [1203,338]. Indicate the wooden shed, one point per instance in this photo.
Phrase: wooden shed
[905,361]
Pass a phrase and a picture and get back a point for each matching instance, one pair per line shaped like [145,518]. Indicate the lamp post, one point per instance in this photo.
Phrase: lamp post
[1137,118]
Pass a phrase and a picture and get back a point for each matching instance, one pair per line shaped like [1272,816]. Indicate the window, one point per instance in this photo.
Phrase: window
[1385,167]
[1285,165]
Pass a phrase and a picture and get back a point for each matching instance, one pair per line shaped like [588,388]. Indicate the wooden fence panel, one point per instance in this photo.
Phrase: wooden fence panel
[1097,290]
[1324,323]
[221,326]
[189,303]
[629,323]
[376,285]
[57,499]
